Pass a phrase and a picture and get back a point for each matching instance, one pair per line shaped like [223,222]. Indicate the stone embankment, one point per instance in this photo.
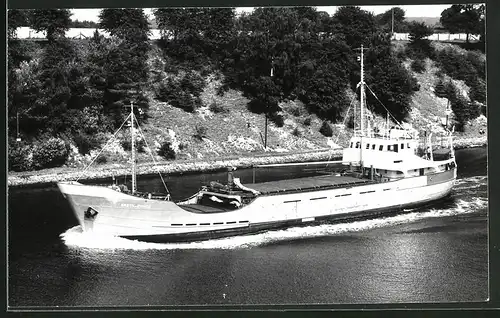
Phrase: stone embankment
[173,167]
[192,166]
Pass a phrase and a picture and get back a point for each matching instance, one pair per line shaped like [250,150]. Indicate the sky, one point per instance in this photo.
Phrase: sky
[411,11]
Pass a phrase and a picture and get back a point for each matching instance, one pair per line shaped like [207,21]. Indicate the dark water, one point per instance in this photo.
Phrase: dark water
[432,254]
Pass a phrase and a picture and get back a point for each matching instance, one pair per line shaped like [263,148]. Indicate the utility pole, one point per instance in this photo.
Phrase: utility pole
[392,28]
[265,137]
[17,127]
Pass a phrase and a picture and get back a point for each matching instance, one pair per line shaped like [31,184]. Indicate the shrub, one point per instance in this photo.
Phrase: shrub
[86,142]
[166,151]
[20,156]
[182,146]
[350,122]
[295,111]
[307,121]
[217,108]
[49,153]
[440,88]
[478,91]
[296,132]
[200,132]
[277,119]
[418,66]
[182,92]
[102,159]
[140,145]
[326,130]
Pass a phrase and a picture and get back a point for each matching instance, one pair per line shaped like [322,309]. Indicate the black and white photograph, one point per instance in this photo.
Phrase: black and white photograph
[175,157]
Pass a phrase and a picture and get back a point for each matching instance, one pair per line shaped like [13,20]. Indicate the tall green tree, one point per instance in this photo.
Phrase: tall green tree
[55,22]
[463,18]
[125,63]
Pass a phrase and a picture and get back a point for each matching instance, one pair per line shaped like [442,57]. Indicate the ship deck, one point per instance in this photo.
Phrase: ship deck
[307,184]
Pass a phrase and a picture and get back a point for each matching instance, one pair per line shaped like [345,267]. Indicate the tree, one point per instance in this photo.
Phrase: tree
[464,18]
[385,20]
[129,24]
[16,19]
[200,38]
[356,25]
[125,62]
[419,45]
[55,22]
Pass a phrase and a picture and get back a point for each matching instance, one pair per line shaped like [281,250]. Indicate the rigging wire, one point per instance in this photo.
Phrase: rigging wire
[397,122]
[345,118]
[103,148]
[151,153]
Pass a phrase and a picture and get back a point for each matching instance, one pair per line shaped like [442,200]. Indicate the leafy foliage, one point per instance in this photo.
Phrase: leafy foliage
[277,118]
[20,156]
[326,130]
[182,91]
[419,46]
[166,151]
[440,88]
[49,152]
[385,20]
[418,66]
[55,22]
[200,132]
[464,18]
[461,107]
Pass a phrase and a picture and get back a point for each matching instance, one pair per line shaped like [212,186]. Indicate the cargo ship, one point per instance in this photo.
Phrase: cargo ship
[382,170]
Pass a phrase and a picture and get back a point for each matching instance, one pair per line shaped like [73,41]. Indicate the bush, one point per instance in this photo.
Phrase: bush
[200,132]
[277,119]
[440,88]
[166,151]
[296,132]
[307,121]
[217,108]
[182,92]
[102,159]
[20,156]
[418,66]
[50,153]
[295,111]
[140,145]
[478,91]
[326,130]
[85,142]
[350,122]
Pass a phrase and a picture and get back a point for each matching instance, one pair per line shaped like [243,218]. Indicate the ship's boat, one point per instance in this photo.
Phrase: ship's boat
[383,170]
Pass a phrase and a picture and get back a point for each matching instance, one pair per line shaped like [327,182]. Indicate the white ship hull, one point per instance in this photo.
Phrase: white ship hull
[124,215]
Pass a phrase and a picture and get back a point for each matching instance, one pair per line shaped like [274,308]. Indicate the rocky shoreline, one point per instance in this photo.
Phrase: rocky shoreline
[192,166]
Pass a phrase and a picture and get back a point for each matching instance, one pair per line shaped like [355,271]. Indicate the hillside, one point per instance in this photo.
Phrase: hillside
[237,131]
[234,135]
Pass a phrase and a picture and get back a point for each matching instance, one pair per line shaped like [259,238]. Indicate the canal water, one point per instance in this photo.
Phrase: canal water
[438,253]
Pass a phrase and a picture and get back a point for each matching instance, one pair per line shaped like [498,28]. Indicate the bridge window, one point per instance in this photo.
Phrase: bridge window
[402,146]
[408,145]
[352,144]
[367,146]
[373,146]
[381,148]
[357,144]
[389,148]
